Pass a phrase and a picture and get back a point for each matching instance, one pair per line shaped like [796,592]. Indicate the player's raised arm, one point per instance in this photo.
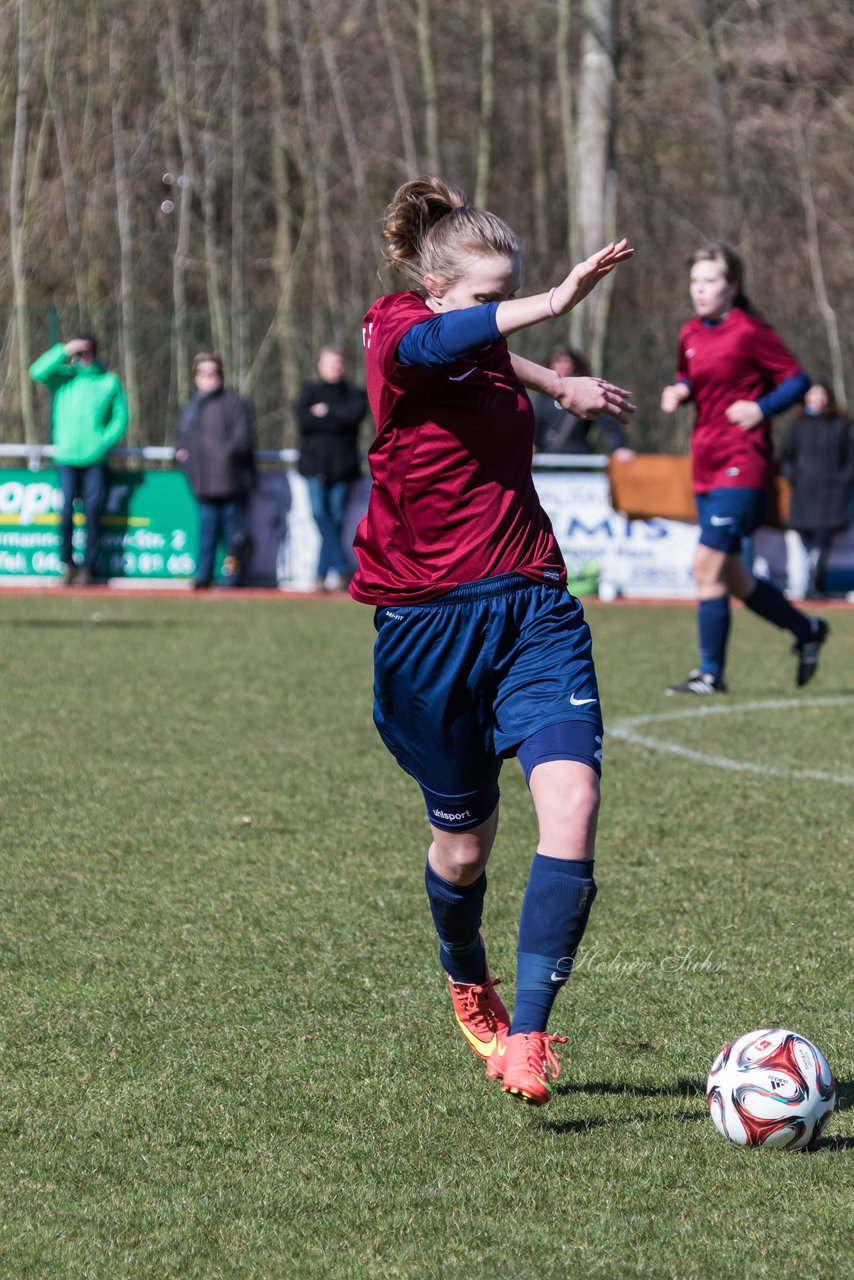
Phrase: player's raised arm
[519,313]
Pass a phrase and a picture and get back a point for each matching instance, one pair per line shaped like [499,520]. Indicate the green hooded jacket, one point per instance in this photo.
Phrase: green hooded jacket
[90,413]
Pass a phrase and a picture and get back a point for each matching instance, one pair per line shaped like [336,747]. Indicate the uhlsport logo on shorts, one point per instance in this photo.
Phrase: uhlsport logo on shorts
[452,817]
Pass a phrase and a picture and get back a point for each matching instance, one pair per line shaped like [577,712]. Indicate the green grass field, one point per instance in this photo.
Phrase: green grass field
[226,1046]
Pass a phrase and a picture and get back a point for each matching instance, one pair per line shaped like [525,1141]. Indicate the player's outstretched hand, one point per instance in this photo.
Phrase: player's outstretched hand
[583,278]
[588,397]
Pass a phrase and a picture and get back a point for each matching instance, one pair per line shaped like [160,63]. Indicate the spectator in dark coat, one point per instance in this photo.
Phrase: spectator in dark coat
[329,413]
[215,447]
[817,458]
[562,432]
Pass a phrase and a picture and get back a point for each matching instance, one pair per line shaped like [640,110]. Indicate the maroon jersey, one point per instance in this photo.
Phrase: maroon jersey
[741,358]
[453,500]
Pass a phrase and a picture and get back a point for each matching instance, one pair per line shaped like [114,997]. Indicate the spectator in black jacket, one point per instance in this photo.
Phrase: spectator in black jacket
[562,432]
[329,413]
[215,446]
[817,458]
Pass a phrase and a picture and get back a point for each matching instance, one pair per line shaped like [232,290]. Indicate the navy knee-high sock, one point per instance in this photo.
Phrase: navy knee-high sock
[457,911]
[554,916]
[713,617]
[770,603]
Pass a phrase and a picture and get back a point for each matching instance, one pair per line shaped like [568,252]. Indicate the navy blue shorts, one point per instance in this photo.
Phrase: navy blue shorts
[728,515]
[473,677]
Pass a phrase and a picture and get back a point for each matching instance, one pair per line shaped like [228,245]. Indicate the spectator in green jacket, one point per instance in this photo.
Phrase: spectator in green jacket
[89,417]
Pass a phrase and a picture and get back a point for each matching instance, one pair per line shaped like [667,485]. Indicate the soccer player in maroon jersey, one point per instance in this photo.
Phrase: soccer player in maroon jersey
[734,368]
[481,653]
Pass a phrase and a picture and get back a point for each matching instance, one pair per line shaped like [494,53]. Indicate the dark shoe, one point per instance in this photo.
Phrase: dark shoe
[84,578]
[69,573]
[701,682]
[201,585]
[808,650]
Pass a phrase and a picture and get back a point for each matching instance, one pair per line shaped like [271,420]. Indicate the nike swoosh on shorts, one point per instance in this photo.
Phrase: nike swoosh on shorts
[580,702]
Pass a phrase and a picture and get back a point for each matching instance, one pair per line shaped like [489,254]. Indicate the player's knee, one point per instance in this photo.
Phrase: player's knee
[568,817]
[579,803]
[460,856]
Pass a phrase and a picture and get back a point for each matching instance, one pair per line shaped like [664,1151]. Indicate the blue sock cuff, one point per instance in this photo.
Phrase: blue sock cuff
[575,868]
[434,881]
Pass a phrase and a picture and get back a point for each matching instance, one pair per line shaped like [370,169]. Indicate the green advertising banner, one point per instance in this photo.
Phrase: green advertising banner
[148,526]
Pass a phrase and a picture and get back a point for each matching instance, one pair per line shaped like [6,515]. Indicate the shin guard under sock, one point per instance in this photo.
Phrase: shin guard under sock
[713,618]
[457,911]
[554,916]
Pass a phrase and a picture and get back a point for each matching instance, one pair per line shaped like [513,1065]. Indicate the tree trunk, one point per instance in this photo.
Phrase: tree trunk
[487,97]
[831,324]
[127,336]
[17,227]
[729,215]
[401,100]
[239,319]
[216,303]
[541,189]
[567,137]
[282,327]
[319,170]
[431,93]
[595,162]
[70,186]
[175,82]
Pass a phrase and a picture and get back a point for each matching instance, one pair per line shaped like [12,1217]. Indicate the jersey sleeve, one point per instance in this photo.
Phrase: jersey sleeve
[773,356]
[682,374]
[443,339]
[384,327]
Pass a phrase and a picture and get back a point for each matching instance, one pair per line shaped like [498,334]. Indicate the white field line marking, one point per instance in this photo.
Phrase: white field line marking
[627,731]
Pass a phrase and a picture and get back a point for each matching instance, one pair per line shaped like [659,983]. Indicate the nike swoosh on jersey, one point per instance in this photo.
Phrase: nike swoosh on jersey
[462,376]
[482,1047]
[580,702]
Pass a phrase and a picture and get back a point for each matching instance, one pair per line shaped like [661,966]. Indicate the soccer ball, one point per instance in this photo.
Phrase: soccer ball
[771,1088]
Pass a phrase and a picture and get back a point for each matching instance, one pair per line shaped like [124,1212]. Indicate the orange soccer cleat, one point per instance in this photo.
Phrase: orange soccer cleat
[483,1021]
[530,1064]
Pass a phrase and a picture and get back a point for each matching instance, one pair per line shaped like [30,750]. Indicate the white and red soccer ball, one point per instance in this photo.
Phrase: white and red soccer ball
[771,1088]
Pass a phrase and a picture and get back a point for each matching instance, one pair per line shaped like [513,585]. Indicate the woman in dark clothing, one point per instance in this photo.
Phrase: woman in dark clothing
[817,459]
[215,447]
[329,413]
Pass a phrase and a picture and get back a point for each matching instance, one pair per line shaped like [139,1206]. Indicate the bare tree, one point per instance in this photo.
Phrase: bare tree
[127,336]
[567,138]
[174,82]
[70,184]
[431,92]
[487,98]
[284,256]
[595,168]
[239,325]
[398,85]
[17,225]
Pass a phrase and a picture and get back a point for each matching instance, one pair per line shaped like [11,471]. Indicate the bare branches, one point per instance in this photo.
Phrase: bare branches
[287,124]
